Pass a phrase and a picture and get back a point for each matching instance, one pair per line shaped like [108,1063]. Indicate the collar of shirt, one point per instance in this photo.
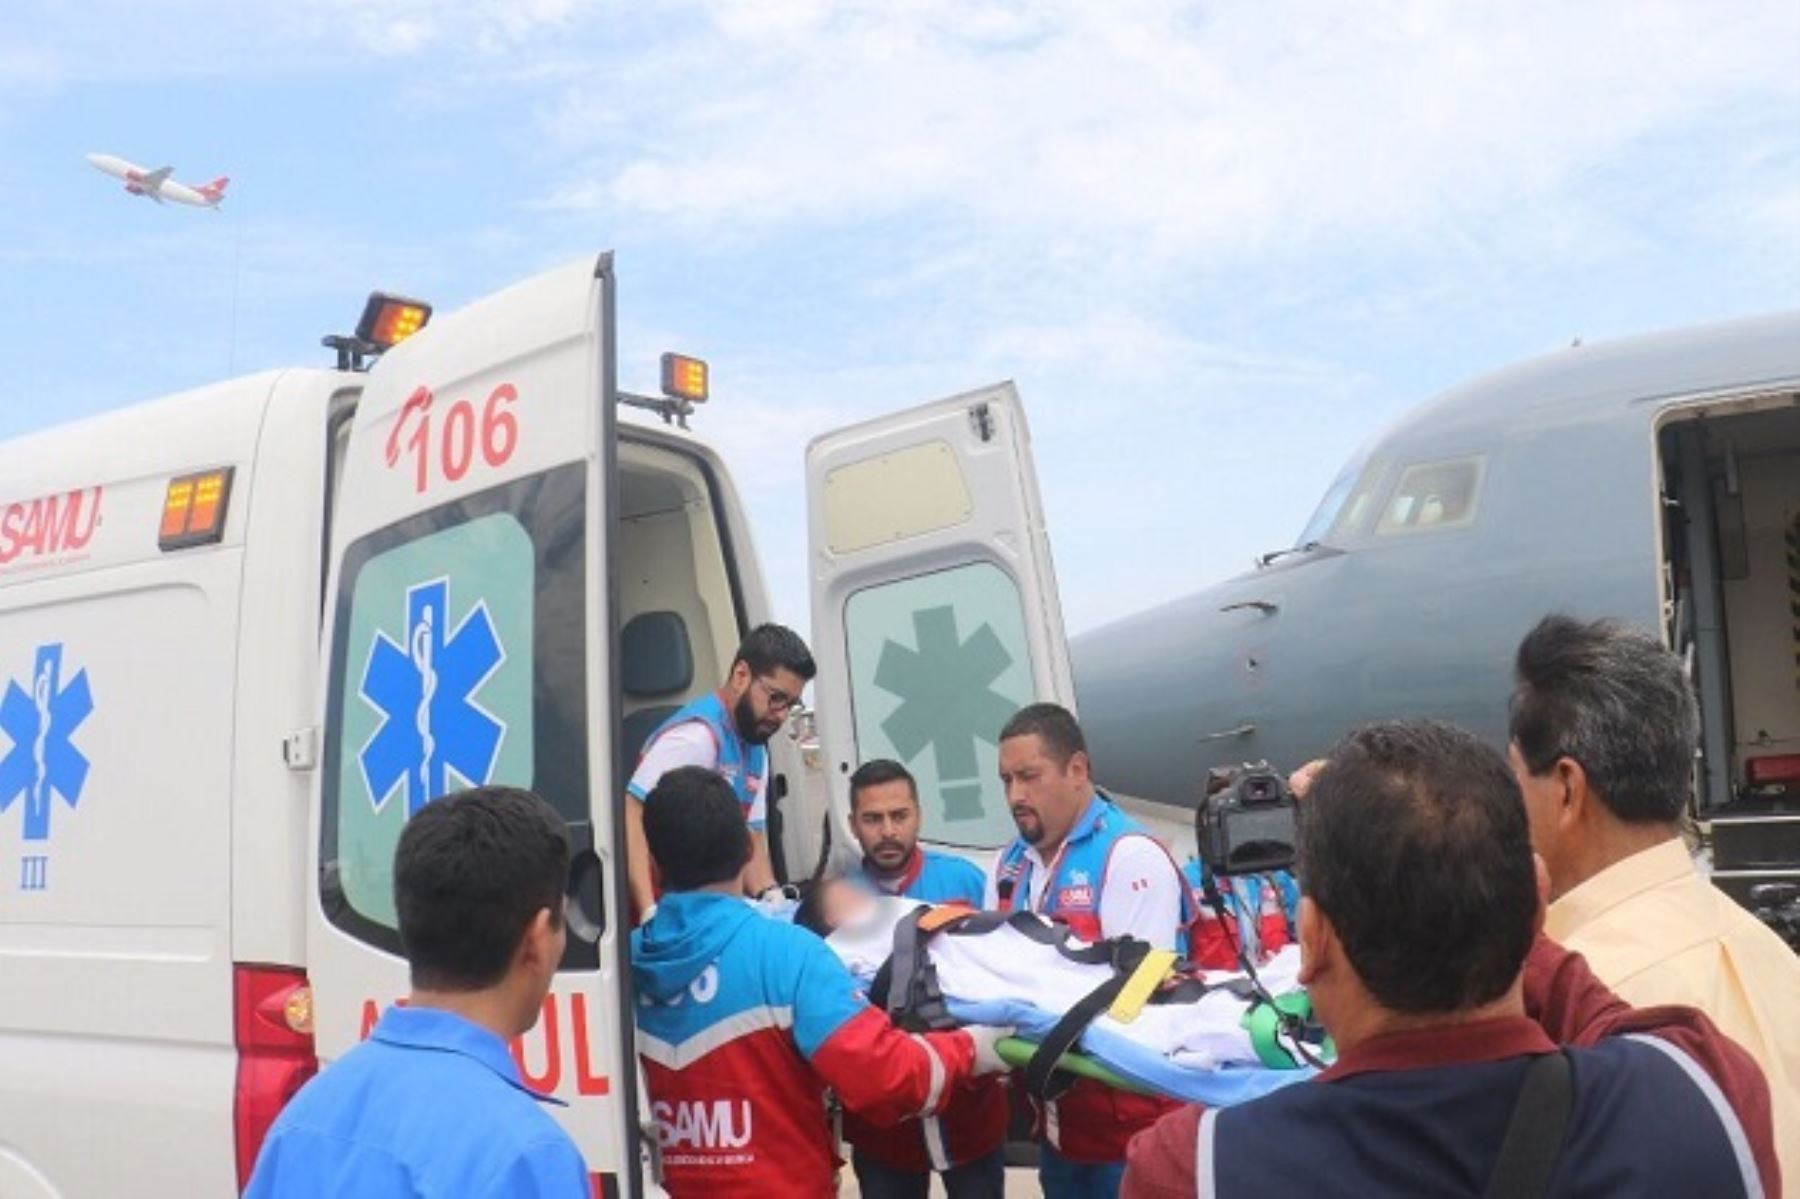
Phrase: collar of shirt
[896,884]
[1083,828]
[730,729]
[1443,1045]
[445,1032]
[1623,880]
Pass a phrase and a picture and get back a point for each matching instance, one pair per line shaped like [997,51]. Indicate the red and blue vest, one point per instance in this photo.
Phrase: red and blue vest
[740,764]
[1090,1122]
[973,1121]
[1078,871]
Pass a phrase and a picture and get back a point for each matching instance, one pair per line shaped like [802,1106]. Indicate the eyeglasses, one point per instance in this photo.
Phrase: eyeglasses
[779,701]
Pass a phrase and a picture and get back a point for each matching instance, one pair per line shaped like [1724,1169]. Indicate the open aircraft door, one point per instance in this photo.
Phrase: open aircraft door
[471,642]
[935,610]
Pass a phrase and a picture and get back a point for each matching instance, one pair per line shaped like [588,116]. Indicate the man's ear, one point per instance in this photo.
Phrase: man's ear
[1080,766]
[1574,798]
[1543,894]
[536,946]
[1316,940]
[738,681]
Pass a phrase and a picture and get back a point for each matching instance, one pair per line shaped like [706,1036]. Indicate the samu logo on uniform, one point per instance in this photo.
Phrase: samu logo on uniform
[40,718]
[703,1124]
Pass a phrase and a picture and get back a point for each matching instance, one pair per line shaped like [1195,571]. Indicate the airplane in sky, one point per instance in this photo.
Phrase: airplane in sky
[1654,479]
[157,185]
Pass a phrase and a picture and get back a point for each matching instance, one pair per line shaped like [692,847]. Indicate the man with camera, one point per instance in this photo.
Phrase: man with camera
[1081,860]
[1447,1008]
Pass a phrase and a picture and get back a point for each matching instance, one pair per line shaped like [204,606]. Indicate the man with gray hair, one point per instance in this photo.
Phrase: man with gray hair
[1604,729]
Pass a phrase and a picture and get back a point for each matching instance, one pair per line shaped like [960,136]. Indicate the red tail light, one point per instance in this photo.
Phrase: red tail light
[272,1023]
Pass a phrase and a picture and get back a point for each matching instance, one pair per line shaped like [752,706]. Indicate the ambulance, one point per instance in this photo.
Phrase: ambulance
[247,630]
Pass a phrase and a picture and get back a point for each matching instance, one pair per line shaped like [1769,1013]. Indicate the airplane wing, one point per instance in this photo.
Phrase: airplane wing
[156,178]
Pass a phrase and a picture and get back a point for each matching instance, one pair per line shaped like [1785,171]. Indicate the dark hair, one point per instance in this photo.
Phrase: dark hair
[1053,724]
[471,873]
[877,771]
[695,828]
[771,647]
[810,915]
[1614,700]
[1414,843]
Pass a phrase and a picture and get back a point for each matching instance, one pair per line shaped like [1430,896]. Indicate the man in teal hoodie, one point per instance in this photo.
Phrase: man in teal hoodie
[744,1021]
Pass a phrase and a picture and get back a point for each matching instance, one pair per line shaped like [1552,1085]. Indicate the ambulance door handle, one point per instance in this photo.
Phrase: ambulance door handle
[584,906]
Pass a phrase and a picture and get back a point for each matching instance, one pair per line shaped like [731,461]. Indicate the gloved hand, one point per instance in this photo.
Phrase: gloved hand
[987,1056]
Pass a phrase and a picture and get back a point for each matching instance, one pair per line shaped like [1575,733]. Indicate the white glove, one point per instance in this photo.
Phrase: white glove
[987,1053]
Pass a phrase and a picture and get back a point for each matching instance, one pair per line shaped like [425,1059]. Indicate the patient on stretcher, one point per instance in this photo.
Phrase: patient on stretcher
[1025,971]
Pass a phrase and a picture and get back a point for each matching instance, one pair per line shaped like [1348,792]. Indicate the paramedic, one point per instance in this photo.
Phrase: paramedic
[744,1020]
[432,1103]
[1447,1007]
[1604,730]
[726,731]
[966,1143]
[1083,861]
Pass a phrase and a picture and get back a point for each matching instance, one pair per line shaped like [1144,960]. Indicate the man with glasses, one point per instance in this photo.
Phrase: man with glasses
[726,731]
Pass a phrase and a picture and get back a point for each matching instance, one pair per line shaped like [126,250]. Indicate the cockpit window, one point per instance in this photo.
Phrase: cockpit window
[1433,495]
[1345,508]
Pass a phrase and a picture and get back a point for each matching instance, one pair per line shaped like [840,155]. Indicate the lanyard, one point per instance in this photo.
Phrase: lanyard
[1037,905]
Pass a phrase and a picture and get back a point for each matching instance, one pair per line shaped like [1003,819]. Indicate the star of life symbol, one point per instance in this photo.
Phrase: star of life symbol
[43,762]
[434,735]
[947,701]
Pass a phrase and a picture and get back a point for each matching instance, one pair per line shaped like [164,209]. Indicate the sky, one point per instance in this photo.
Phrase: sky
[1218,246]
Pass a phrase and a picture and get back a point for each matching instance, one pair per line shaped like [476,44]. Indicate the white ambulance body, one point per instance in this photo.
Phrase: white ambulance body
[246,630]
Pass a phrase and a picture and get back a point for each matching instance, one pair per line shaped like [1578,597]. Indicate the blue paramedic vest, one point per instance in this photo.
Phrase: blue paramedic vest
[932,878]
[739,764]
[1072,894]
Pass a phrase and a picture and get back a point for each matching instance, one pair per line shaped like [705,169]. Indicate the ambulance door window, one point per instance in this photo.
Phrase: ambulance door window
[938,663]
[459,662]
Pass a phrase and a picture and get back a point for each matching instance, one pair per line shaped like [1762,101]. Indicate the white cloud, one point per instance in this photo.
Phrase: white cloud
[1188,132]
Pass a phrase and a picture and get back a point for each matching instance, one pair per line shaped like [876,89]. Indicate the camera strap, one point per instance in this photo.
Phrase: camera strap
[1534,1135]
[1292,1025]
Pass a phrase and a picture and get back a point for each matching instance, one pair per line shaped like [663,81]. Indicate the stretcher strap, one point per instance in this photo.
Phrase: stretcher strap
[1041,1078]
[1157,965]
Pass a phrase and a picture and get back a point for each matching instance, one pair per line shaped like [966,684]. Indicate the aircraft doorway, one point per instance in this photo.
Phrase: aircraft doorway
[1730,482]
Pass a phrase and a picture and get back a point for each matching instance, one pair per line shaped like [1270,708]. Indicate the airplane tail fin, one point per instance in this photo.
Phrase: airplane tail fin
[214,191]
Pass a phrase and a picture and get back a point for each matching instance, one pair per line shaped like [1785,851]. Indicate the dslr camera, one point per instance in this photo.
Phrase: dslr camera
[1246,822]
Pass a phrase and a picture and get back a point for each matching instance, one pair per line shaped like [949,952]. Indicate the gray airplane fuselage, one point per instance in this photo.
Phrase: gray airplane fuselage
[1385,619]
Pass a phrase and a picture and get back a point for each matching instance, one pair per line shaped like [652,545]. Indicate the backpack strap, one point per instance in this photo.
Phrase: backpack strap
[1534,1135]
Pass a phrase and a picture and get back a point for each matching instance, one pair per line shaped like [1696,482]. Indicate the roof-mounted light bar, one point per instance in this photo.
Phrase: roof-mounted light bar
[387,320]
[685,382]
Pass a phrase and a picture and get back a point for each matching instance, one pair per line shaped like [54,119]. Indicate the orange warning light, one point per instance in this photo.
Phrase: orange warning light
[194,509]
[684,378]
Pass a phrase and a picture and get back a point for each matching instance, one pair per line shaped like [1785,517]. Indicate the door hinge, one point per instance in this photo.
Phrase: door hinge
[300,748]
[982,417]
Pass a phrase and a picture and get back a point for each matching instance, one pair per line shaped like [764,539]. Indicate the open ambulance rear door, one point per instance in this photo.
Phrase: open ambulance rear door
[935,610]
[471,642]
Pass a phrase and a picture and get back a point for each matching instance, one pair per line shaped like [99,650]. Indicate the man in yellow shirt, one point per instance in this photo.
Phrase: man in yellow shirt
[1604,730]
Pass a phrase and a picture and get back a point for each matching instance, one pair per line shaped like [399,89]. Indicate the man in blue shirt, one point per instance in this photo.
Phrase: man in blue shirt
[964,1143]
[432,1103]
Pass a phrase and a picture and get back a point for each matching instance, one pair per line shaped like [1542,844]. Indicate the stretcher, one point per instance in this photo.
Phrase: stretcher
[1116,1011]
